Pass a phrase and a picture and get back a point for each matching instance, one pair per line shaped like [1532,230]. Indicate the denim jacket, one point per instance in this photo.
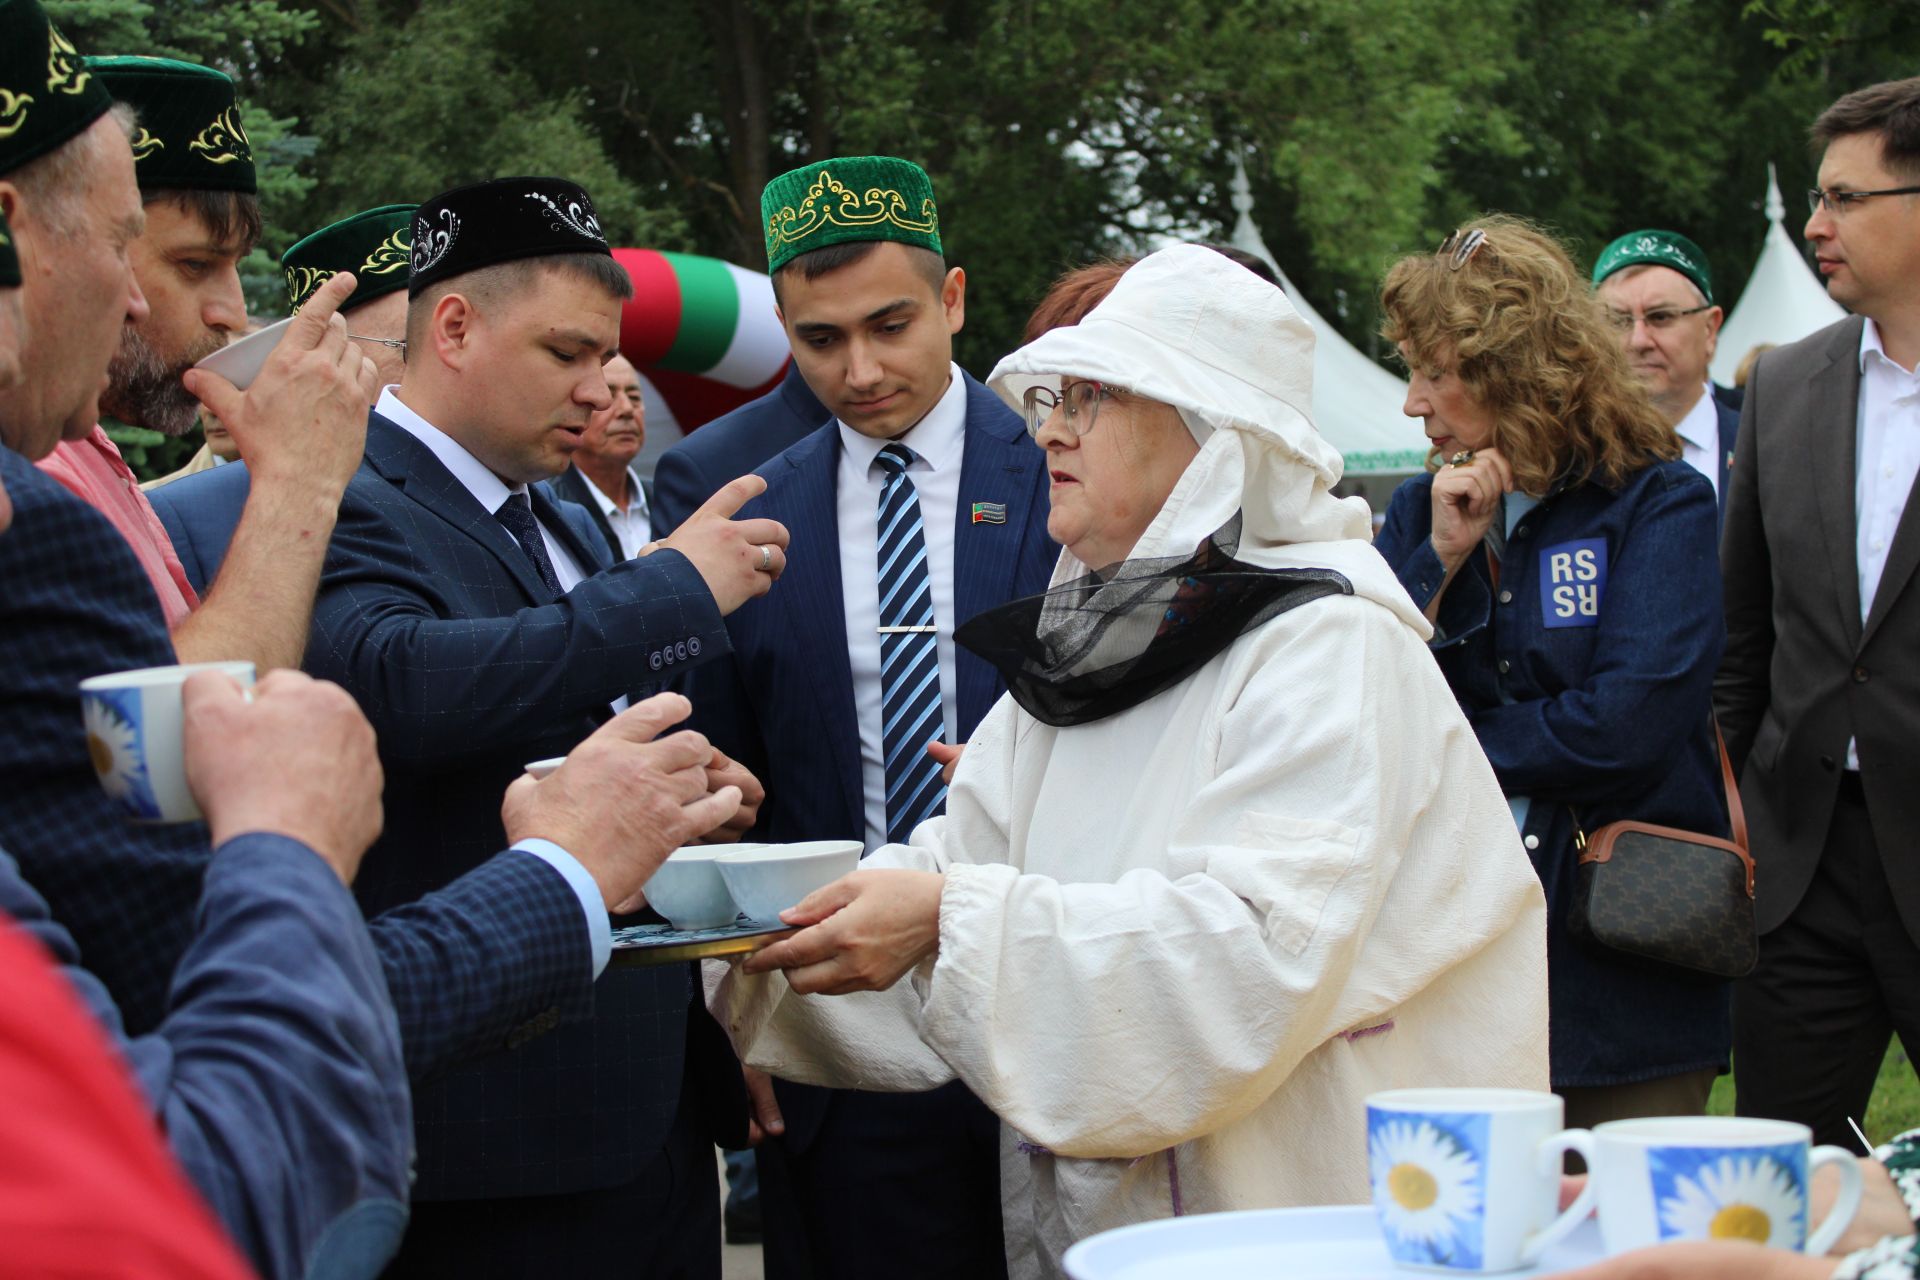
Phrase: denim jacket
[1587,674]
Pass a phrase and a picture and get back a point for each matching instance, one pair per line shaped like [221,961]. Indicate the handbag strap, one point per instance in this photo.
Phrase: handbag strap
[1736,812]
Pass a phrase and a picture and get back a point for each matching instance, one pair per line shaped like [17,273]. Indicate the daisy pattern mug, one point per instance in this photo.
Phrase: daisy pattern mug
[133,725]
[1468,1180]
[1714,1178]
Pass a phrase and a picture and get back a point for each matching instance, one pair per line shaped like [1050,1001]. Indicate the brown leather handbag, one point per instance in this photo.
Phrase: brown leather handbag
[1669,896]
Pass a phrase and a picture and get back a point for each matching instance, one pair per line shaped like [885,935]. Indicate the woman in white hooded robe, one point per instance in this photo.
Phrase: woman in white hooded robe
[1225,860]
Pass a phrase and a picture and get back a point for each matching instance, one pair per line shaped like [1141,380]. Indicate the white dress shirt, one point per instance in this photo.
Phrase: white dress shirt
[940,441]
[490,491]
[1889,460]
[1700,438]
[634,526]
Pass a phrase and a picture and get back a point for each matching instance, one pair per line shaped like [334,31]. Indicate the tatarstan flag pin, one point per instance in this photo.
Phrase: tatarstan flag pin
[989,513]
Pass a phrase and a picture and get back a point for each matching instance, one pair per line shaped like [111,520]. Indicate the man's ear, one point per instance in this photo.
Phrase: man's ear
[452,328]
[953,298]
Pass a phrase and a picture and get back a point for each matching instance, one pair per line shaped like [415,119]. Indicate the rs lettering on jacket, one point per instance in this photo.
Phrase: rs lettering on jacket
[1573,580]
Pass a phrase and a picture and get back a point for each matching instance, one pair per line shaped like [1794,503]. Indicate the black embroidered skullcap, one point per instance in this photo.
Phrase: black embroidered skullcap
[500,221]
[46,94]
[190,135]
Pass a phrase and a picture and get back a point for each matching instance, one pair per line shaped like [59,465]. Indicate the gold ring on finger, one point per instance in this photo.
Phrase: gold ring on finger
[1461,458]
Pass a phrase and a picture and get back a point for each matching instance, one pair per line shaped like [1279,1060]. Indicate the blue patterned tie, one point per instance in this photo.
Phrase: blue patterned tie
[517,514]
[909,654]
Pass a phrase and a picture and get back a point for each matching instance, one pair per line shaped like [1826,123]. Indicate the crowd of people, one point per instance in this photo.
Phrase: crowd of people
[1195,811]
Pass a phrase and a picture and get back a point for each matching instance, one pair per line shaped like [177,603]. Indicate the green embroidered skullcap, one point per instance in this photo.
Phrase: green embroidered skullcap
[376,246]
[848,199]
[190,134]
[9,259]
[1659,249]
[46,94]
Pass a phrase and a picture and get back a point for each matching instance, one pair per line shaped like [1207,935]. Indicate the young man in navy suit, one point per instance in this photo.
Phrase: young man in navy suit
[919,503]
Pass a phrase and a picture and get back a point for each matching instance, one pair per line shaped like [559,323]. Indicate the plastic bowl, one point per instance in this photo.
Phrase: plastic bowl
[688,890]
[767,880]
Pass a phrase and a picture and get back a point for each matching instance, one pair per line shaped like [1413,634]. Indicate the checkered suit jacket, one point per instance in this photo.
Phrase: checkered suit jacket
[281,991]
[433,616]
[467,968]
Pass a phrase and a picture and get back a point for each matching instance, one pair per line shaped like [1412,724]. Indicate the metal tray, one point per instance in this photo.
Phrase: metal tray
[653,944]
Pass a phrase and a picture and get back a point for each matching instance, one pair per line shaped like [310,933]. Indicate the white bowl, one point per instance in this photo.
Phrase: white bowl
[241,360]
[688,890]
[767,880]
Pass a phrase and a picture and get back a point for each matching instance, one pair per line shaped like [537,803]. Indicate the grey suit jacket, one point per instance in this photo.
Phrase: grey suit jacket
[1802,673]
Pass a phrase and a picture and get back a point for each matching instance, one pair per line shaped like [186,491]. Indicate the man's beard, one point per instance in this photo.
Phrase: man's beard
[144,390]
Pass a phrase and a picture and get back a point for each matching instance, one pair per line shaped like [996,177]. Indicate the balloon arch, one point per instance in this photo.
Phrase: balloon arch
[702,331]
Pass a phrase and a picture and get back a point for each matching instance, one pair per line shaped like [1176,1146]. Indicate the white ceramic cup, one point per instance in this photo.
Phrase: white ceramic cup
[1468,1180]
[767,879]
[1713,1178]
[133,734]
[688,890]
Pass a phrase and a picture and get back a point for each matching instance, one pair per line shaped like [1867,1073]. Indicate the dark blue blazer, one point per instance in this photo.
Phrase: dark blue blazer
[730,446]
[468,968]
[435,619]
[783,702]
[570,487]
[276,1075]
[202,510]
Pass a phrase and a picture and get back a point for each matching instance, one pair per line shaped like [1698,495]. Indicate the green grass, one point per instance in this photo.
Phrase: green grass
[1896,1098]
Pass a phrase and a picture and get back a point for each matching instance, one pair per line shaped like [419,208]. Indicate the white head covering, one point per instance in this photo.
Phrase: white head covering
[1193,329]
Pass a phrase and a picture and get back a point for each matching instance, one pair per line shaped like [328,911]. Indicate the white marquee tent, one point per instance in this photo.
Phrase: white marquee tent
[1783,301]
[1356,403]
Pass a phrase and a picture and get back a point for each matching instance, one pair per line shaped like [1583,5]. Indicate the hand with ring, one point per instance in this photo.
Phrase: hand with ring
[1466,501]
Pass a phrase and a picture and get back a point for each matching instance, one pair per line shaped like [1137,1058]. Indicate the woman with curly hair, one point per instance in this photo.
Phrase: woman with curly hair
[1566,557]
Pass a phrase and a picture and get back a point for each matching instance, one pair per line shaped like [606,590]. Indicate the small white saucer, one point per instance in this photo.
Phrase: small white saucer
[1340,1242]
[241,360]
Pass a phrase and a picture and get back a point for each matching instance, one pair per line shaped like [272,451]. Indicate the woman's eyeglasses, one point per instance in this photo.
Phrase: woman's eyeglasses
[1079,400]
[1458,249]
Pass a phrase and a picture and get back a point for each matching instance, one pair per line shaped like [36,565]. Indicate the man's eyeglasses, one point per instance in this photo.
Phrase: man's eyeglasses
[1657,319]
[1460,247]
[1838,202]
[1080,401]
[385,342]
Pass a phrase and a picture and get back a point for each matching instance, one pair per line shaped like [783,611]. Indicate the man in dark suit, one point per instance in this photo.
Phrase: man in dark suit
[1657,288]
[919,504]
[600,477]
[1819,692]
[479,631]
[693,470]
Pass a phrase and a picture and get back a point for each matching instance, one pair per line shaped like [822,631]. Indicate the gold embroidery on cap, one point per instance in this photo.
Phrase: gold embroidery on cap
[829,201]
[65,72]
[146,144]
[302,281]
[13,112]
[223,141]
[393,255]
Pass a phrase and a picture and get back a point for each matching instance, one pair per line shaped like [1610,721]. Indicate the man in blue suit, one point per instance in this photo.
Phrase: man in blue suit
[1658,289]
[479,630]
[919,504]
[693,470]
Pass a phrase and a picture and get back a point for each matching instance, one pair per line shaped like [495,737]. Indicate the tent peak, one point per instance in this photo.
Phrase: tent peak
[1776,207]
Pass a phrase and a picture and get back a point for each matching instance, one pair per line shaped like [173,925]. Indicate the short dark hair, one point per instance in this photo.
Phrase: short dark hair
[819,262]
[1251,261]
[230,217]
[1890,109]
[504,279]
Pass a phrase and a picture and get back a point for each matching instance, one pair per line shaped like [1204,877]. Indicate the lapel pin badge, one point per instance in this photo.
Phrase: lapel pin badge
[989,513]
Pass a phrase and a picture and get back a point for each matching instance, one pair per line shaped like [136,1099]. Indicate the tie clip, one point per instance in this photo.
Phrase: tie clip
[907,631]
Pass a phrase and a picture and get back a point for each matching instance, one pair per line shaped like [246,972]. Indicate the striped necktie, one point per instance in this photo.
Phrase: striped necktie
[909,654]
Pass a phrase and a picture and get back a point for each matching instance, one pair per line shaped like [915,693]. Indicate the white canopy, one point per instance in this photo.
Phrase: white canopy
[1356,403]
[1783,301]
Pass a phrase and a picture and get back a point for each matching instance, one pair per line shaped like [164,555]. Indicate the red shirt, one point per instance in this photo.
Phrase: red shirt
[87,1186]
[96,474]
